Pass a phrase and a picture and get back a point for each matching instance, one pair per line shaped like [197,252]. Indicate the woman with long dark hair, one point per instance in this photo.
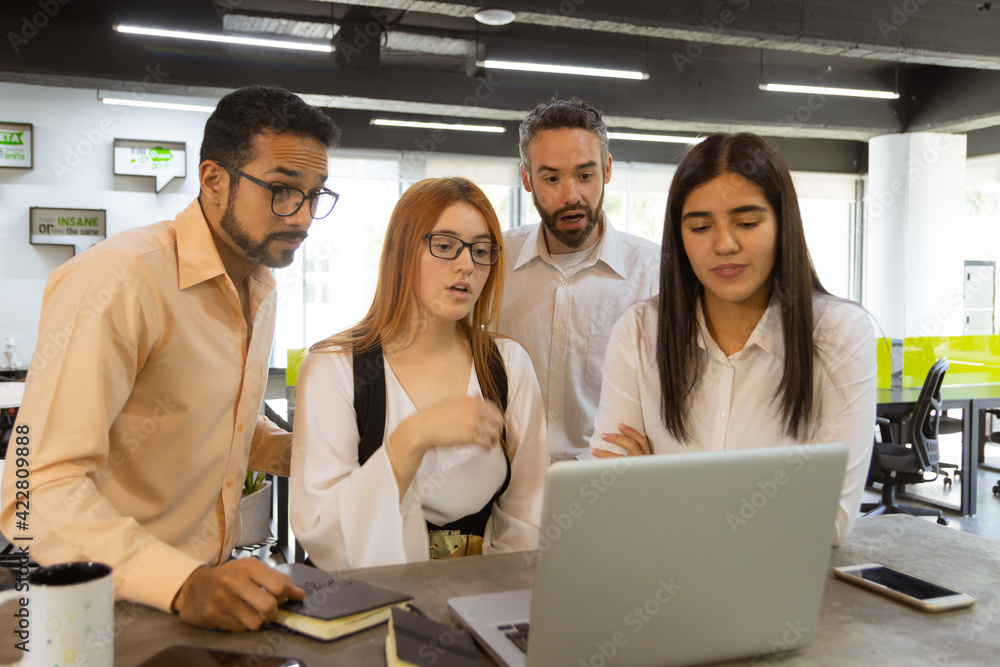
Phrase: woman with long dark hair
[400,449]
[743,347]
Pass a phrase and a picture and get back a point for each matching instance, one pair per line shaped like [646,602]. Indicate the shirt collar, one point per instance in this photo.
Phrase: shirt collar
[767,335]
[609,249]
[197,257]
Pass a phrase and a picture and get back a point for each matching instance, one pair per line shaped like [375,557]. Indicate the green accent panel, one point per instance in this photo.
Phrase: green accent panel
[973,359]
[883,355]
[295,357]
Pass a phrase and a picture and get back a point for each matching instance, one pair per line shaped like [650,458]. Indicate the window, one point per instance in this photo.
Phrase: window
[330,285]
[827,203]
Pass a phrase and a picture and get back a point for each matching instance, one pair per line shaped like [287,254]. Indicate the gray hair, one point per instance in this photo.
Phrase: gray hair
[556,114]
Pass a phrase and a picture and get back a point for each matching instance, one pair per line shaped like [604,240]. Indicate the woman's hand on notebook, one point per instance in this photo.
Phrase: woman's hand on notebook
[631,441]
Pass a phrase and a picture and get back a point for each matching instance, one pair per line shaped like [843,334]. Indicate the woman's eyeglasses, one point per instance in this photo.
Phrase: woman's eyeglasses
[286,200]
[446,246]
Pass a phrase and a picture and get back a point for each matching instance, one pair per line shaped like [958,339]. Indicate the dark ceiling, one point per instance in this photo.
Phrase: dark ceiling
[417,60]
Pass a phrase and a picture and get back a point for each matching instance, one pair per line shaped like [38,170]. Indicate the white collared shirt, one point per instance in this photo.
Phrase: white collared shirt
[351,515]
[732,406]
[565,322]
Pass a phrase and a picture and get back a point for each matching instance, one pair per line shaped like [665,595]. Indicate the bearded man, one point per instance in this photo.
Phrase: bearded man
[141,411]
[569,278]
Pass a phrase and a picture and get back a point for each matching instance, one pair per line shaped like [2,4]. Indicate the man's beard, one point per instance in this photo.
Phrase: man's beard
[573,238]
[257,252]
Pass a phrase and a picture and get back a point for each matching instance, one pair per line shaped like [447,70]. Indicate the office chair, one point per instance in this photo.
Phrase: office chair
[902,464]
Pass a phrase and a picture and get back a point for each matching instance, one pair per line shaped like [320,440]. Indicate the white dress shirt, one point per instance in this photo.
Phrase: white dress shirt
[346,515]
[564,322]
[732,406]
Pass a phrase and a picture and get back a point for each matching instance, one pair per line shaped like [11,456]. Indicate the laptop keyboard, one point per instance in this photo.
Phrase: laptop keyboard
[517,633]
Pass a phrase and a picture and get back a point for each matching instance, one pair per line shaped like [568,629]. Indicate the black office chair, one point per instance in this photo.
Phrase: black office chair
[915,451]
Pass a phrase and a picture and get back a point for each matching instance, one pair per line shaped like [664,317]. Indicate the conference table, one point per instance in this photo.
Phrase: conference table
[973,401]
[856,627]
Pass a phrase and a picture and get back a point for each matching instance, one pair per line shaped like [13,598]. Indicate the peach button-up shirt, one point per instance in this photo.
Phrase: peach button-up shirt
[142,410]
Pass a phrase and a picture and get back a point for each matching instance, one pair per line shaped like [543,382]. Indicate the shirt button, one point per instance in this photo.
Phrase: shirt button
[240,428]
[229,483]
[554,417]
[722,415]
[558,327]
[564,283]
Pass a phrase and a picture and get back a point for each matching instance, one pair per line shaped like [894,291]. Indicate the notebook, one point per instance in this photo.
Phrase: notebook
[672,560]
[414,640]
[335,605]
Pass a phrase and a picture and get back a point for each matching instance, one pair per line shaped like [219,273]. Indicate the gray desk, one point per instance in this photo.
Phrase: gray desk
[972,400]
[855,627]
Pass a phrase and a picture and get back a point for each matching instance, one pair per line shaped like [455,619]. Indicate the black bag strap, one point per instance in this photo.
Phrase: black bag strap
[369,400]
[369,396]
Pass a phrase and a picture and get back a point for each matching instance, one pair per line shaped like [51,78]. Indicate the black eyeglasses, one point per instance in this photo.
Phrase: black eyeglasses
[446,246]
[286,200]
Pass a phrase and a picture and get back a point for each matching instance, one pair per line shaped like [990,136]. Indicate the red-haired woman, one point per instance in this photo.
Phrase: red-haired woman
[401,451]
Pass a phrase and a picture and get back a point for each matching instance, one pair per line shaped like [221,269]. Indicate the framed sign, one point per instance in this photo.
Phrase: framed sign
[164,160]
[77,227]
[16,145]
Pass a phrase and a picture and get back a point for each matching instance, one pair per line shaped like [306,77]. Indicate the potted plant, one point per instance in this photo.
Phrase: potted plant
[255,509]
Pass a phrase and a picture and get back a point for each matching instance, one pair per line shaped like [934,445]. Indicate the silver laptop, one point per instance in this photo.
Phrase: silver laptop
[671,560]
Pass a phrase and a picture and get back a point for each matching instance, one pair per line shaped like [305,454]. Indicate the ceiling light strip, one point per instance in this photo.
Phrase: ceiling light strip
[660,138]
[158,105]
[496,129]
[225,39]
[823,90]
[564,69]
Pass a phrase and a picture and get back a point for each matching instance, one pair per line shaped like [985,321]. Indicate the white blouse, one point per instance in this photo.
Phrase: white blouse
[346,515]
[732,406]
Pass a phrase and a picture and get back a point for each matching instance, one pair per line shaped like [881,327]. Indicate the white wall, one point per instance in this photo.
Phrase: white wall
[73,137]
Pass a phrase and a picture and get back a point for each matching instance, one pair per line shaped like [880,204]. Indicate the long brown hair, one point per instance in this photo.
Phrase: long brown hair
[415,214]
[793,280]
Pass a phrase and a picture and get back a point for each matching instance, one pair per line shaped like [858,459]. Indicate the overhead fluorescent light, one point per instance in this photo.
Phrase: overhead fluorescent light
[157,101]
[158,105]
[661,138]
[823,90]
[225,39]
[563,69]
[498,129]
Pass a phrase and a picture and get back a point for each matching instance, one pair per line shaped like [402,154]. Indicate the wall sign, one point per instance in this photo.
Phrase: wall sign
[77,227]
[165,160]
[15,145]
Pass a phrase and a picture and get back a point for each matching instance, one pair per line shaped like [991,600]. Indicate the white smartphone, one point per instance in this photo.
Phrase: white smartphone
[904,587]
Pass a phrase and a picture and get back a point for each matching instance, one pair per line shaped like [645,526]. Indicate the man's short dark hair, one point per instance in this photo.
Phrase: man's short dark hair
[573,113]
[247,112]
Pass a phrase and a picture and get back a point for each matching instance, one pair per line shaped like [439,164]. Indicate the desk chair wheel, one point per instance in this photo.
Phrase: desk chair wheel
[996,489]
[943,521]
[947,482]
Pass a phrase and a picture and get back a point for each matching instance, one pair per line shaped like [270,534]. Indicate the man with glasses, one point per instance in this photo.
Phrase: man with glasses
[140,415]
[569,278]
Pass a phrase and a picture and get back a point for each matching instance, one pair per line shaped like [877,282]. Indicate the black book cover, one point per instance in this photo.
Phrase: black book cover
[332,596]
[417,640]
